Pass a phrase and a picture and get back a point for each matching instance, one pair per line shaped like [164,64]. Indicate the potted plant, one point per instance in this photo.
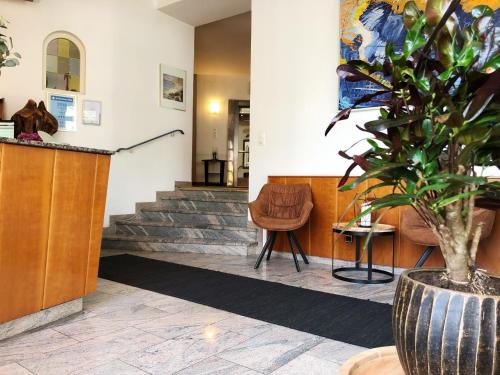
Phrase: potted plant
[438,127]
[8,58]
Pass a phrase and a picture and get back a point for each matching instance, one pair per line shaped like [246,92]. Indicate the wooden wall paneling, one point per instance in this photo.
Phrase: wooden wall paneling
[99,198]
[302,233]
[342,249]
[70,220]
[488,255]
[25,198]
[281,243]
[323,215]
[407,253]
[382,246]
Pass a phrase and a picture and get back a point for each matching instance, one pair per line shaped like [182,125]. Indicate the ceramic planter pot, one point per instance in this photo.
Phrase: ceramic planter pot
[443,331]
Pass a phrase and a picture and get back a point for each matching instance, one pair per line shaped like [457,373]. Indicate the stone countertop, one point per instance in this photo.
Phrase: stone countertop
[55,146]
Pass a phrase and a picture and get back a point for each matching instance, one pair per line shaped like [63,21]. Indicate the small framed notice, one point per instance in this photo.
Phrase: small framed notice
[91,112]
[63,108]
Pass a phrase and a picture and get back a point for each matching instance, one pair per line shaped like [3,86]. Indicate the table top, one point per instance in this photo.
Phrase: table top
[378,361]
[219,160]
[379,228]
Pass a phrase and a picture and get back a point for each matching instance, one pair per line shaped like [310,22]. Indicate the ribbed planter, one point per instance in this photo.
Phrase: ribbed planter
[442,331]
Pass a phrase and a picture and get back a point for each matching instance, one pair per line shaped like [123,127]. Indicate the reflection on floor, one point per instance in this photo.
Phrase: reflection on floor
[125,330]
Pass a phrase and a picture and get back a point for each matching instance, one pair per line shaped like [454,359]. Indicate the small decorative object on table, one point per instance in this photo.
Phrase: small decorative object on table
[365,221]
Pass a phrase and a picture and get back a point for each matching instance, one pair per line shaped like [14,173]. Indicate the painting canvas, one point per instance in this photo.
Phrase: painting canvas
[172,87]
[366,26]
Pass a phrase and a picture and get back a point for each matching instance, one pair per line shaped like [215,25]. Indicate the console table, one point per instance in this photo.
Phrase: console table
[220,172]
[358,232]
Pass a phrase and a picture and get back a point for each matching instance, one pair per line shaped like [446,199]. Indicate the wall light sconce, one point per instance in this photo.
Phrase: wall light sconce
[214,107]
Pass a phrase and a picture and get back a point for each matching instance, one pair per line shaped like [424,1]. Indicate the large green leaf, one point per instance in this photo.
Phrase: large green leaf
[414,38]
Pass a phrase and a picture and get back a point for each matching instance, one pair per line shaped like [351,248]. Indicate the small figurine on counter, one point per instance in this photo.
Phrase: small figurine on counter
[26,122]
[32,119]
[48,123]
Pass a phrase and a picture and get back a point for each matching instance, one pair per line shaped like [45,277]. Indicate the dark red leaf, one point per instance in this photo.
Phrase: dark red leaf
[344,155]
[351,74]
[483,96]
[342,115]
[344,179]
[361,161]
[378,135]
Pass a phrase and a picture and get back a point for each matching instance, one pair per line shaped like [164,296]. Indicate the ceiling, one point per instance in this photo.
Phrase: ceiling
[201,12]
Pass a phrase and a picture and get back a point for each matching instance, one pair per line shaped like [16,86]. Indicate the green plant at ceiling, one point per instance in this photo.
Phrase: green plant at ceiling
[8,58]
[439,127]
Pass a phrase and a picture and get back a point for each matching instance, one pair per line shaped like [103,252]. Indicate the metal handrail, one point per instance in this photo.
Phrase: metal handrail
[172,132]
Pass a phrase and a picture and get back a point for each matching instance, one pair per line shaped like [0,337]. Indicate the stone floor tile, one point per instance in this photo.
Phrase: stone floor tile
[271,350]
[180,352]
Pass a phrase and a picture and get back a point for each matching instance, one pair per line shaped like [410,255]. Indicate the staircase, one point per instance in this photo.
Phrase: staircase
[189,219]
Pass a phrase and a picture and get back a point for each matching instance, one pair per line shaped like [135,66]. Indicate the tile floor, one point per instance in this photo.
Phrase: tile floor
[125,330]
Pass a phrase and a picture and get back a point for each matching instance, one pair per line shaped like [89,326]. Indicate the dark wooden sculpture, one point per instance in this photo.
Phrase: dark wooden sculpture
[26,120]
[48,123]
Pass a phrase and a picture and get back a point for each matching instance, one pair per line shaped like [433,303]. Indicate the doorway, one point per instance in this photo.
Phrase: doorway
[238,143]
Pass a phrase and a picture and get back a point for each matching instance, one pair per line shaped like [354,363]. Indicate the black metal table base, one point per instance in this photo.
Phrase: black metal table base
[335,273]
[358,268]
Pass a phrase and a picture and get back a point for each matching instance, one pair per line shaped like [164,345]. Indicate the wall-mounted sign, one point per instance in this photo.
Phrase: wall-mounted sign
[91,112]
[63,108]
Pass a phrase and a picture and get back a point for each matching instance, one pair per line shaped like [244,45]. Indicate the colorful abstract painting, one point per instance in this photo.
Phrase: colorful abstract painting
[366,27]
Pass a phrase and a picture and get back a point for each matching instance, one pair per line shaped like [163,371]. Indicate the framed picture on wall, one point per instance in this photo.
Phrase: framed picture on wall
[64,108]
[172,87]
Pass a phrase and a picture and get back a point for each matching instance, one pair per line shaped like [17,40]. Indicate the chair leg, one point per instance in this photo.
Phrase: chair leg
[293,251]
[427,252]
[263,252]
[296,240]
[273,238]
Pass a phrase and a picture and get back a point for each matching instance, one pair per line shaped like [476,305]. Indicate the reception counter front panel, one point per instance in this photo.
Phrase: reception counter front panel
[51,216]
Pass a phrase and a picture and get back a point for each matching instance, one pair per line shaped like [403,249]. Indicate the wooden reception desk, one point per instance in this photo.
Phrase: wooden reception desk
[330,206]
[52,200]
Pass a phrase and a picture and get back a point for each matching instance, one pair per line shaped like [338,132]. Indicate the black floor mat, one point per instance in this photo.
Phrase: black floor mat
[346,319]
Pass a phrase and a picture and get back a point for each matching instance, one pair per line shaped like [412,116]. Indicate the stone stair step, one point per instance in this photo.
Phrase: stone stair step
[157,213]
[206,192]
[194,204]
[175,195]
[186,230]
[190,245]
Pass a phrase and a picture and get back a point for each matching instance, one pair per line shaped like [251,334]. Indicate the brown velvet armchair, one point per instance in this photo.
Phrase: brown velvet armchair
[282,208]
[416,230]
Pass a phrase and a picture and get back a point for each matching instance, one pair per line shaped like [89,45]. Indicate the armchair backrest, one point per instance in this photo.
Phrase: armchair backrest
[285,201]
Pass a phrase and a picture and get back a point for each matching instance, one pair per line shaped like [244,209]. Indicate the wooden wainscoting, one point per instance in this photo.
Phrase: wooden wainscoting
[331,206]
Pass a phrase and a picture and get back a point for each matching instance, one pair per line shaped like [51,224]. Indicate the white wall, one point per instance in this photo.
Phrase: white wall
[125,41]
[294,92]
[211,129]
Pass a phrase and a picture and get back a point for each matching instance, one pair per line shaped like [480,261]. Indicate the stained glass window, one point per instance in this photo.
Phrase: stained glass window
[63,65]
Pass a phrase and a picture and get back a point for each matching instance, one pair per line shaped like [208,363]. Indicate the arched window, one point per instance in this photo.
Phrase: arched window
[64,63]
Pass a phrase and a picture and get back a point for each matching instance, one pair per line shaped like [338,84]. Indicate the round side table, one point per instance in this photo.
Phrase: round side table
[357,232]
